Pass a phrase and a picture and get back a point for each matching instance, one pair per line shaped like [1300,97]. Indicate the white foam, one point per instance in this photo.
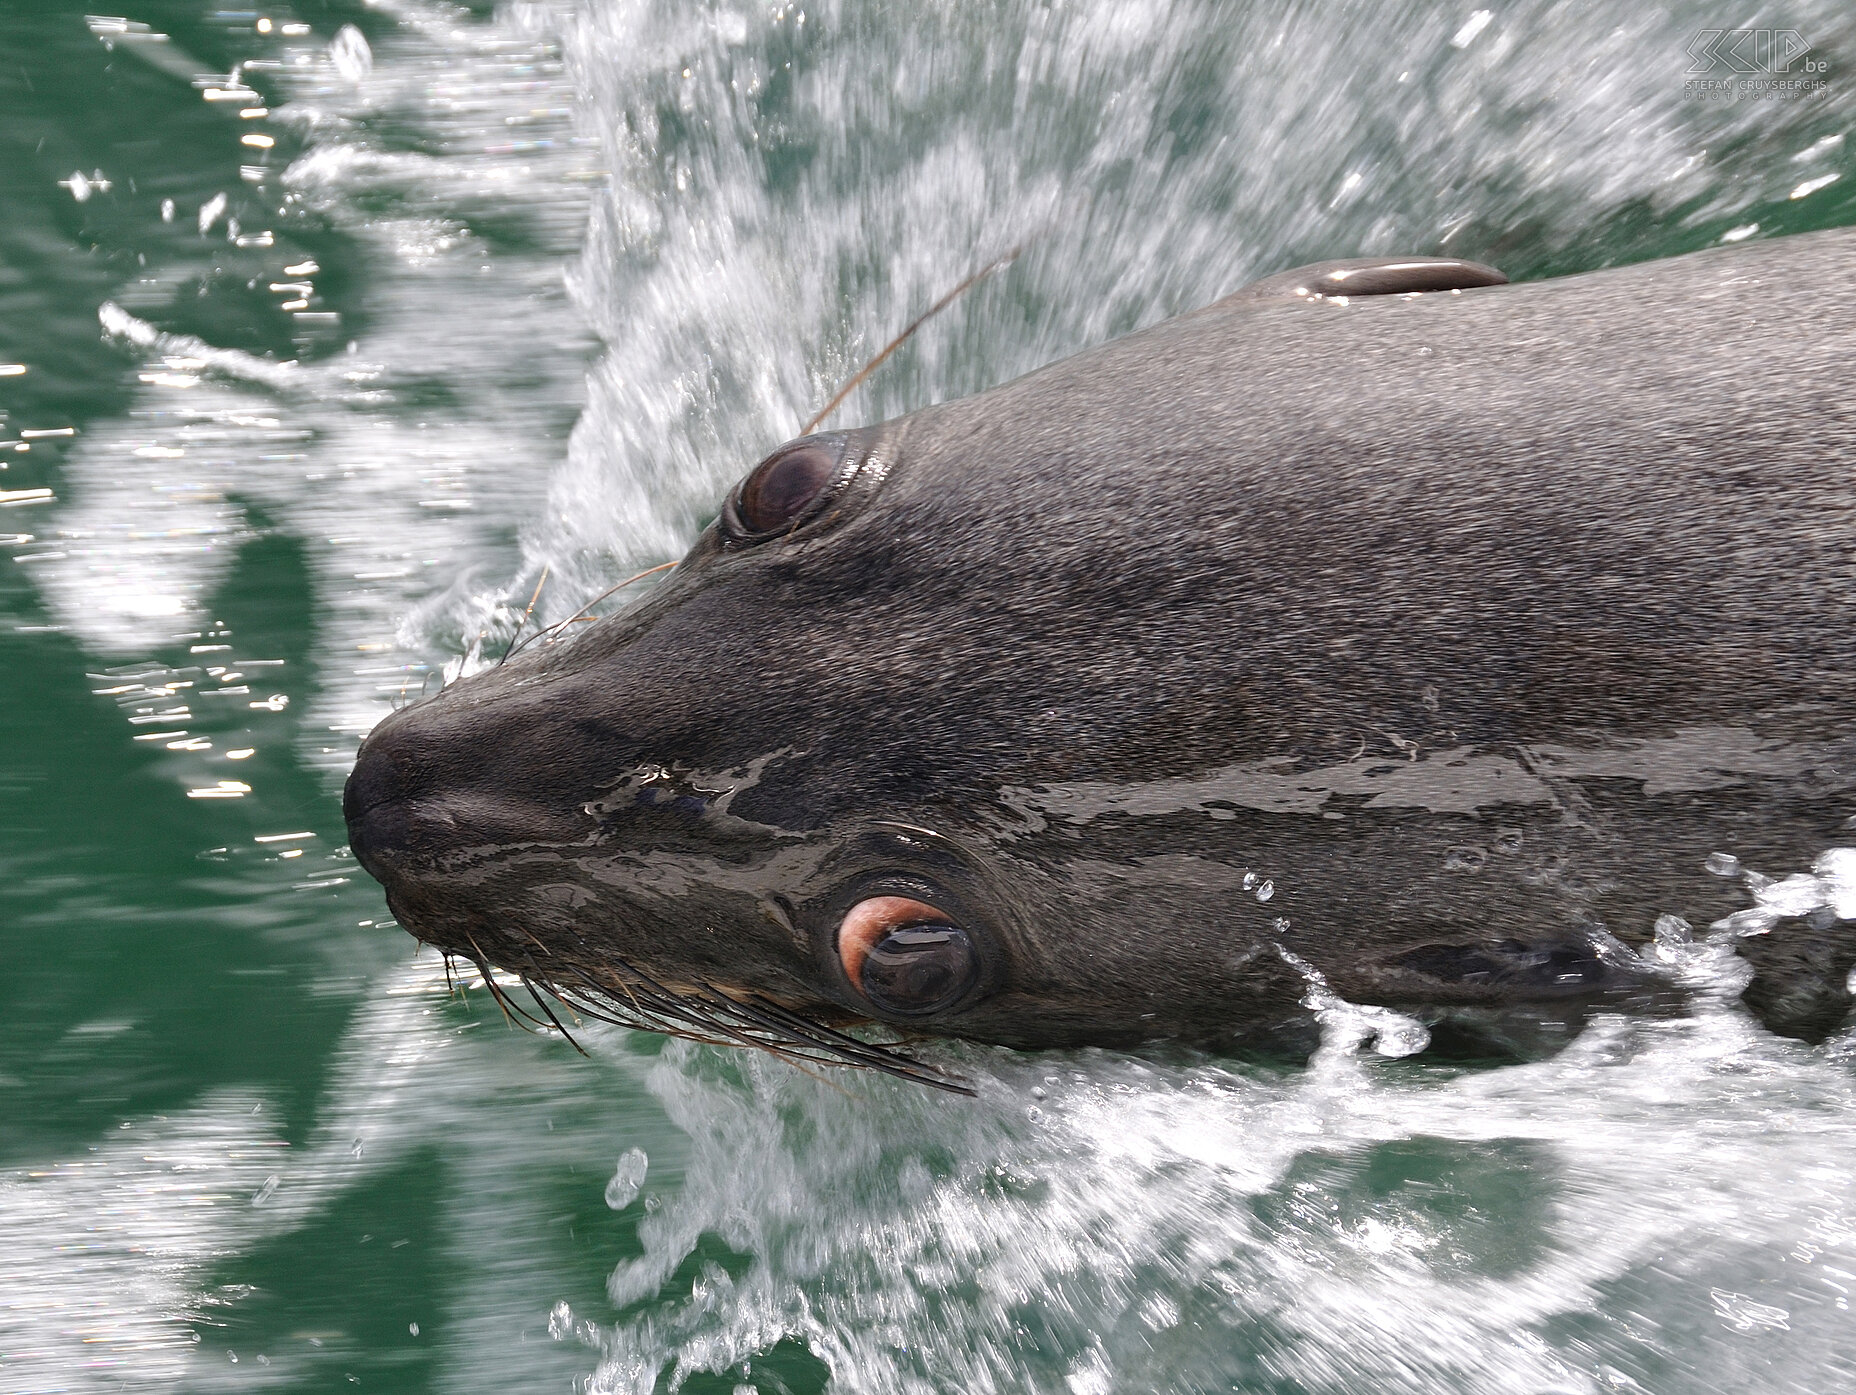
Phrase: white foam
[1357,1226]
[1666,1206]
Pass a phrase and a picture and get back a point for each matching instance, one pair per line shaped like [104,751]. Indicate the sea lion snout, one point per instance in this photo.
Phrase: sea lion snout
[438,795]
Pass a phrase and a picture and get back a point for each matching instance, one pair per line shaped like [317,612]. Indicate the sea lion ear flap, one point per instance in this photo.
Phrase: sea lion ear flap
[1369,276]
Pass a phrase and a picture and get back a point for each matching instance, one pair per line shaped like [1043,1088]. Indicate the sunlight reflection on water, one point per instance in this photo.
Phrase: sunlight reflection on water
[760,197]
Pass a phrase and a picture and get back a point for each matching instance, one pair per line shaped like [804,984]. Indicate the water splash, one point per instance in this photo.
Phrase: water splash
[1385,1226]
[772,191]
[401,451]
[627,1179]
[1345,1026]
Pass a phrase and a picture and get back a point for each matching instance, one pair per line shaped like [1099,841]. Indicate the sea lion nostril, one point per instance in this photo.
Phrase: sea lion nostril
[389,775]
[371,783]
[435,789]
[379,830]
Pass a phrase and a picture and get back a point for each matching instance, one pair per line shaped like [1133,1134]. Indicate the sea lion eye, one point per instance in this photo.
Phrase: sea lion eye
[780,490]
[905,957]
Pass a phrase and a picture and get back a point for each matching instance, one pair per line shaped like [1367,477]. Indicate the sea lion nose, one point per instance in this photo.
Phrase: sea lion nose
[434,783]
[376,800]
[415,791]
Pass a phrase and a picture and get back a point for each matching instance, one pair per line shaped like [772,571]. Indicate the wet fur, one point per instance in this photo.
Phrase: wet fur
[1474,622]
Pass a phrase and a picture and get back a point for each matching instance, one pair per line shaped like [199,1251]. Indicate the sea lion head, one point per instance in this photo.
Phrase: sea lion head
[1313,641]
[788,775]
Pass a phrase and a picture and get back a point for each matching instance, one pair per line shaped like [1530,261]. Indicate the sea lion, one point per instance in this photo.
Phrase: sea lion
[1381,621]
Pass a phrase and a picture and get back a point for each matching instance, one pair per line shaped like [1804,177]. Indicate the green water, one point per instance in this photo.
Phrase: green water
[248,1140]
[162,959]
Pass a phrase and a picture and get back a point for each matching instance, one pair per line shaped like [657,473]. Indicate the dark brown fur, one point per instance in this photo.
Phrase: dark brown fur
[1472,622]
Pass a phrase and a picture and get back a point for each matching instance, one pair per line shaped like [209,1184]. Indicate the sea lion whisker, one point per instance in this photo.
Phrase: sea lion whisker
[513,1011]
[906,334]
[597,1010]
[496,994]
[845,1050]
[649,1017]
[790,1023]
[886,1051]
[600,1011]
[877,1055]
[522,624]
[765,1028]
[737,1037]
[623,986]
[705,1018]
[518,1015]
[656,999]
[651,984]
[581,613]
[668,1012]
[535,993]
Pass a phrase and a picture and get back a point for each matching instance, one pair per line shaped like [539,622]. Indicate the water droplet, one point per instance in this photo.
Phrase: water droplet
[1038,1092]
[264,1193]
[1744,925]
[1673,930]
[1722,864]
[1250,881]
[1675,940]
[413,1328]
[1265,889]
[560,1321]
[627,1179]
[349,52]
[1398,1036]
[1464,859]
[1508,841]
[354,1149]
